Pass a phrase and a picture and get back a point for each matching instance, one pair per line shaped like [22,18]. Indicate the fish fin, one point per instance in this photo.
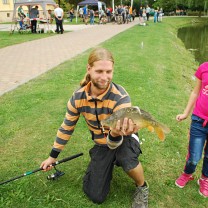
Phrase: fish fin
[151,128]
[147,114]
[160,133]
[165,129]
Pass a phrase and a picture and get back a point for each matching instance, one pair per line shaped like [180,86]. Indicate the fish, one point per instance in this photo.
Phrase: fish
[139,117]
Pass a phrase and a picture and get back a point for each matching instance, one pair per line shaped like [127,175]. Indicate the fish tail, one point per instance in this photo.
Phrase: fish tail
[160,133]
[161,130]
[166,130]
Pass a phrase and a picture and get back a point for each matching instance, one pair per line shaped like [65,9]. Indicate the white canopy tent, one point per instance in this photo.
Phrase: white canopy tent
[132,1]
[31,3]
[90,3]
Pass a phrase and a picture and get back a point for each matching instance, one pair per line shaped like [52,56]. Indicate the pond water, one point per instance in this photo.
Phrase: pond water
[195,39]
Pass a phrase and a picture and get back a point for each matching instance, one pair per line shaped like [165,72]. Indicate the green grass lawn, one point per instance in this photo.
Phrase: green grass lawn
[8,39]
[157,76]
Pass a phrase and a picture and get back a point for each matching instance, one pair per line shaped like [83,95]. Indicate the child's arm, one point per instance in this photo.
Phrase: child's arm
[192,100]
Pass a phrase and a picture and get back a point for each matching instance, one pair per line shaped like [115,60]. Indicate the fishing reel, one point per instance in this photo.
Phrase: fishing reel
[55,175]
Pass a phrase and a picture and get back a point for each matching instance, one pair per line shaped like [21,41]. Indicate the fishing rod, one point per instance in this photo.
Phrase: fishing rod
[52,177]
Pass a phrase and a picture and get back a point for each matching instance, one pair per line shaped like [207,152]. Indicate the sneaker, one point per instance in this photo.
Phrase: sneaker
[203,186]
[141,197]
[183,180]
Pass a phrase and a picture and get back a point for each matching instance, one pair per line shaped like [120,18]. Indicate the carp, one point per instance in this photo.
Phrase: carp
[139,117]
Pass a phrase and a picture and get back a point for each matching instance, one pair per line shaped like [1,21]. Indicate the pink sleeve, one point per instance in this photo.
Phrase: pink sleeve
[199,71]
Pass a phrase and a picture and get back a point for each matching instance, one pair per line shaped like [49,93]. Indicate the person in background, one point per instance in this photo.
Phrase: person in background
[198,141]
[101,16]
[108,14]
[21,12]
[130,13]
[85,14]
[160,15]
[59,14]
[155,15]
[158,12]
[141,15]
[92,16]
[147,12]
[116,14]
[50,20]
[34,14]
[71,14]
[50,16]
[21,15]
[144,15]
[97,98]
[81,14]
[133,14]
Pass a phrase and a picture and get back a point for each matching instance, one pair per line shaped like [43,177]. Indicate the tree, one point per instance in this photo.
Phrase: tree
[65,5]
[172,5]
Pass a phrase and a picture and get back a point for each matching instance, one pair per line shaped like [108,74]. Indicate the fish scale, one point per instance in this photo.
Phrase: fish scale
[140,117]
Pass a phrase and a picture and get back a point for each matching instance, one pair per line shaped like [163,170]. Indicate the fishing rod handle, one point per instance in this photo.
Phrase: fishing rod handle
[38,169]
[67,159]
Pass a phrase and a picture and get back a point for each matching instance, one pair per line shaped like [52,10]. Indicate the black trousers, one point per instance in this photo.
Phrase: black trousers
[96,182]
[59,25]
[148,15]
[33,26]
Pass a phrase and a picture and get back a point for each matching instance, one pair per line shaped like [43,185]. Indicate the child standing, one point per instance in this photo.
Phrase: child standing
[92,16]
[198,131]
[155,15]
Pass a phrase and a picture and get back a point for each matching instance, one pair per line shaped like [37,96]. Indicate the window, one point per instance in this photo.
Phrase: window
[5,1]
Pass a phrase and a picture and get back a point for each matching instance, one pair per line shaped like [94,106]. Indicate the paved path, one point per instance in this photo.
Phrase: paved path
[23,62]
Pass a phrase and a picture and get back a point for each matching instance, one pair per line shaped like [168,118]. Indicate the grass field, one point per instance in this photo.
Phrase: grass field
[7,39]
[156,70]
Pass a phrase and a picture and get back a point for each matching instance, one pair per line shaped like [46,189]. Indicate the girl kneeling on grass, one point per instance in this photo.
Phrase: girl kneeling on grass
[198,131]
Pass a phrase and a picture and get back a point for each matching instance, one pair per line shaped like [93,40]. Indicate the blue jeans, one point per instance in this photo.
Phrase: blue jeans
[71,17]
[92,20]
[197,144]
[20,23]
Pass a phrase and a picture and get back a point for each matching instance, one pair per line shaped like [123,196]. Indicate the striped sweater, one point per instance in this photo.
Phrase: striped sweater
[94,110]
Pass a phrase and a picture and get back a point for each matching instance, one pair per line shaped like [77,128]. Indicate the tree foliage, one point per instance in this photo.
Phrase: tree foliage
[172,5]
[65,5]
[167,5]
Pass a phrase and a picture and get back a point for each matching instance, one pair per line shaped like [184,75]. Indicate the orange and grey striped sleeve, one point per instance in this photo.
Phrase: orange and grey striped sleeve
[66,129]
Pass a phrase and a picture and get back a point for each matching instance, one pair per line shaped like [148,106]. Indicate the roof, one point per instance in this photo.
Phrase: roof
[90,2]
[34,2]
[31,3]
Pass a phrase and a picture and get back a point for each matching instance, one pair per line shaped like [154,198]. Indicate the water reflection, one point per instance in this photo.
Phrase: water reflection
[196,40]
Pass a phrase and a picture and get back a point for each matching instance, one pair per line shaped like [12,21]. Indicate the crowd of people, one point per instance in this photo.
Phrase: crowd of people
[122,14]
[32,17]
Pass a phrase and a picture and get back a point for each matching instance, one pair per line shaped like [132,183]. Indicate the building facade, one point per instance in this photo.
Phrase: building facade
[6,10]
